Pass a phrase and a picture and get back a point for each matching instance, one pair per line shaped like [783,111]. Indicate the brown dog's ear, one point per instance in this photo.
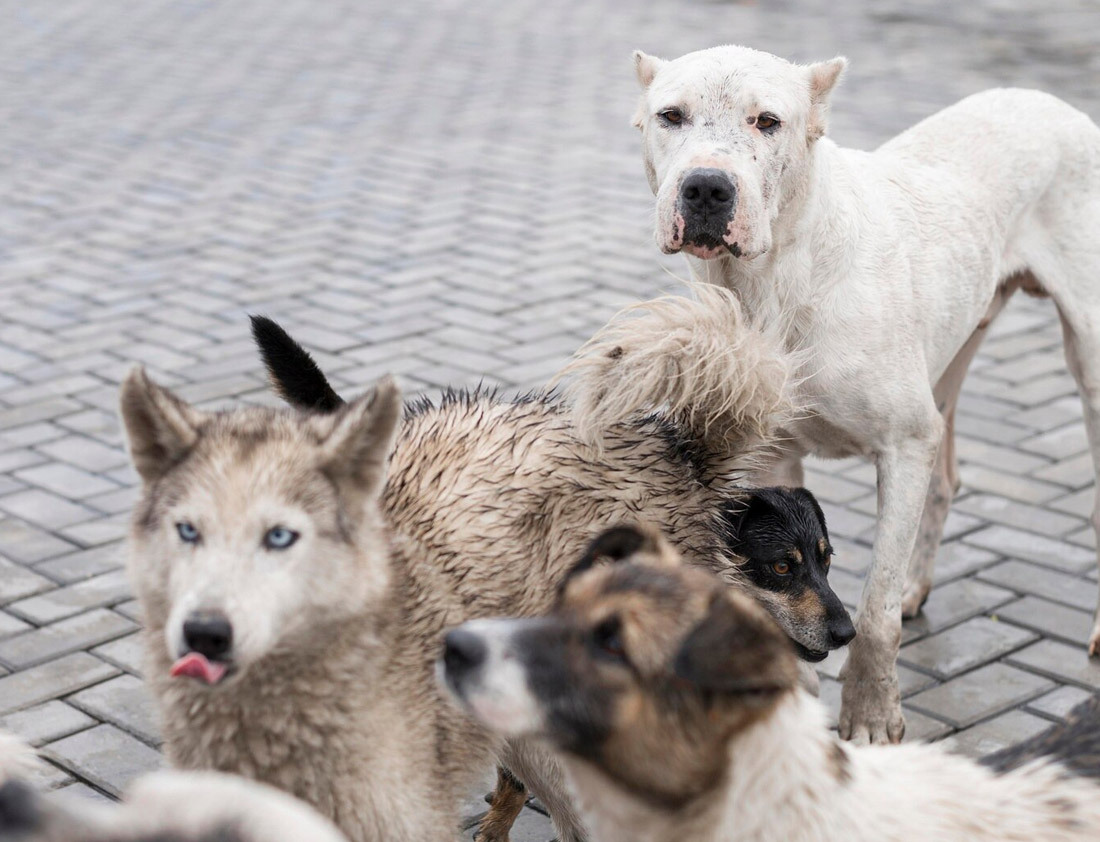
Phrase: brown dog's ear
[736,649]
[823,78]
[161,429]
[611,545]
[357,450]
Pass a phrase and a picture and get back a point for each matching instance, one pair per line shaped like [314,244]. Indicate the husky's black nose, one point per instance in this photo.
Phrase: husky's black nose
[709,193]
[463,651]
[841,630]
[208,633]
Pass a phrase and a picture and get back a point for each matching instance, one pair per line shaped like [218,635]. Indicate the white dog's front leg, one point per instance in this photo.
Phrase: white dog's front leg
[870,708]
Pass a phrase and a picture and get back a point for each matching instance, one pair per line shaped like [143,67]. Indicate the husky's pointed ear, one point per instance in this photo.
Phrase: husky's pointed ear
[161,429]
[823,78]
[646,67]
[736,648]
[357,450]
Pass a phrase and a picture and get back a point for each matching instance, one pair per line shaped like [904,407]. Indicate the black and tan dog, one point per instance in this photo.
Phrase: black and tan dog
[674,706]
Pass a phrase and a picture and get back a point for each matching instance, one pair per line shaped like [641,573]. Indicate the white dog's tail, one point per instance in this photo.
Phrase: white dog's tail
[17,759]
[695,359]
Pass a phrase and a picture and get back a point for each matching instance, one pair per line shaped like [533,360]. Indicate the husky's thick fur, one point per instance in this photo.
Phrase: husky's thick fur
[301,614]
[160,807]
[884,270]
[674,706]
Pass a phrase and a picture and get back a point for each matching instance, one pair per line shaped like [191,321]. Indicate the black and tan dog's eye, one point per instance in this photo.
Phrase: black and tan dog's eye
[672,116]
[766,122]
[781,568]
[608,637]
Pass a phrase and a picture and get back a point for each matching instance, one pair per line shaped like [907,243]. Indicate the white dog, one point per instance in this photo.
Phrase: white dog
[885,268]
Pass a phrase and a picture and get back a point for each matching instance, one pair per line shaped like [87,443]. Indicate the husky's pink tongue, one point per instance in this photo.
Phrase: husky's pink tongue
[194,665]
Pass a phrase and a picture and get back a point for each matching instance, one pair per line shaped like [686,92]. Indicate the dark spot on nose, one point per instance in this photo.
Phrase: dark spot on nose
[841,630]
[463,651]
[208,633]
[709,192]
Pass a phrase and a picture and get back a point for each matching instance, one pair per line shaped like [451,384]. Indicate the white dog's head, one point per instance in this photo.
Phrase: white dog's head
[727,133]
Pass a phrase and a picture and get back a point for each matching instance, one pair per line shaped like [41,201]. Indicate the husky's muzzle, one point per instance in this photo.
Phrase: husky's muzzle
[208,638]
[707,202]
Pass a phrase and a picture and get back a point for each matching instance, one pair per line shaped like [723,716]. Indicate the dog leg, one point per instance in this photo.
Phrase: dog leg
[507,803]
[870,709]
[546,780]
[1082,342]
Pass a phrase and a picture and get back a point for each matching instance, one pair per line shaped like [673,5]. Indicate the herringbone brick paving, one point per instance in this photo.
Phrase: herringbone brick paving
[450,191]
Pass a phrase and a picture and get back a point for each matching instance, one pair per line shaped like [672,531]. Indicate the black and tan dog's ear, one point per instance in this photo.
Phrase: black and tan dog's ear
[736,648]
[161,428]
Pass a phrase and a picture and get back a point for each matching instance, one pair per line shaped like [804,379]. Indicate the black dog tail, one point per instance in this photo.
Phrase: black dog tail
[294,375]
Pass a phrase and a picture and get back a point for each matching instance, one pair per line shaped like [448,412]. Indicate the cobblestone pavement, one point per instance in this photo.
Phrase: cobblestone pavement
[451,191]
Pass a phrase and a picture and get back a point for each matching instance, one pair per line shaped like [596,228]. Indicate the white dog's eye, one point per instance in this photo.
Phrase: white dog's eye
[672,116]
[187,532]
[766,122]
[279,538]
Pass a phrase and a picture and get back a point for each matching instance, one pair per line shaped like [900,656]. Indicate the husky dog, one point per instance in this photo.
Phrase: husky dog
[674,706]
[885,269]
[509,485]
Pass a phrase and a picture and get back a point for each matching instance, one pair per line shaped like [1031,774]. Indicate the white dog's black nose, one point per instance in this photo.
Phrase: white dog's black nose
[463,651]
[709,192]
[208,633]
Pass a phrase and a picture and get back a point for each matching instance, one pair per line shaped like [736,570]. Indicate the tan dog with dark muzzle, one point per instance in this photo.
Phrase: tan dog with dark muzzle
[673,705]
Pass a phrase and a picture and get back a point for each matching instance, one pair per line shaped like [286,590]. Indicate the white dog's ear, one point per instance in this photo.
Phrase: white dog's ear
[160,428]
[646,67]
[357,451]
[823,78]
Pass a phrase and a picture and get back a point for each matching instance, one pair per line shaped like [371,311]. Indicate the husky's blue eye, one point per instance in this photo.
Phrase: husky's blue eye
[188,533]
[279,538]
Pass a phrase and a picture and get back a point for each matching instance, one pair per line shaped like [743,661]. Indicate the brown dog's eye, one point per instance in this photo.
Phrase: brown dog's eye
[674,116]
[767,122]
[608,637]
[781,568]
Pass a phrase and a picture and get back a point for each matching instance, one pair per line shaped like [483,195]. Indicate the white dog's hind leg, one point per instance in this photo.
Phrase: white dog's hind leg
[1081,334]
[870,701]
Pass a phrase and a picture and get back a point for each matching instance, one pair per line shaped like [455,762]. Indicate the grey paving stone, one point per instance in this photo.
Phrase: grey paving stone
[76,567]
[10,625]
[1012,513]
[104,756]
[46,722]
[1058,703]
[66,480]
[980,694]
[80,632]
[51,680]
[965,646]
[45,509]
[957,558]
[1041,581]
[1068,664]
[105,589]
[956,601]
[17,582]
[122,701]
[992,735]
[127,653]
[1048,618]
[921,728]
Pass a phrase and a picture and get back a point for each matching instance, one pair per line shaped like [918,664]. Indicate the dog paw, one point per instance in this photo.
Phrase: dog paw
[870,702]
[912,601]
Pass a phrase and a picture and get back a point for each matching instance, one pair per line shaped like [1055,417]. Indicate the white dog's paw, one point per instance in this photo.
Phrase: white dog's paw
[912,601]
[870,702]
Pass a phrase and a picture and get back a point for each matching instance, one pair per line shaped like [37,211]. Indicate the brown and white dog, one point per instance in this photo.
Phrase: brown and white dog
[674,706]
